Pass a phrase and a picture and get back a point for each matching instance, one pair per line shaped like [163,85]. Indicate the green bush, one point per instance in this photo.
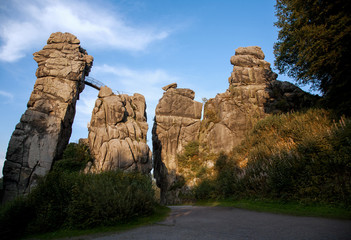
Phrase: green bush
[189,155]
[109,198]
[205,190]
[74,158]
[227,176]
[68,198]
[14,218]
[51,199]
[78,201]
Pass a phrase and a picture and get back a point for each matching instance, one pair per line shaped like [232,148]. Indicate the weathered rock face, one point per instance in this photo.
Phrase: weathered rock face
[253,93]
[117,133]
[177,122]
[45,128]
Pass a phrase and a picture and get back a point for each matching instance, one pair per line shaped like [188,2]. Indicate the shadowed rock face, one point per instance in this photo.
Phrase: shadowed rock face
[45,128]
[177,122]
[117,133]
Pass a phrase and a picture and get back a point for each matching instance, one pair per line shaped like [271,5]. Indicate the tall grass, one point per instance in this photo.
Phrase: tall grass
[303,156]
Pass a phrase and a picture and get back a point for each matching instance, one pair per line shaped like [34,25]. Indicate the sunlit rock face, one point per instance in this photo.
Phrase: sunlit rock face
[45,128]
[117,133]
[253,93]
[177,122]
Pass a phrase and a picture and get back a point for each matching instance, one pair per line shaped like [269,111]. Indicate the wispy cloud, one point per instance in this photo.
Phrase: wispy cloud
[7,95]
[147,82]
[27,24]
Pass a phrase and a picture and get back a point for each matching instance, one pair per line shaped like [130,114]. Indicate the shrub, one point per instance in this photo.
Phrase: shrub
[14,218]
[191,149]
[109,198]
[205,190]
[189,163]
[75,157]
[50,200]
[227,176]
[77,201]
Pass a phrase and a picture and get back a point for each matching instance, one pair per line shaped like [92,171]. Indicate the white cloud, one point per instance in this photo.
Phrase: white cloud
[7,95]
[30,23]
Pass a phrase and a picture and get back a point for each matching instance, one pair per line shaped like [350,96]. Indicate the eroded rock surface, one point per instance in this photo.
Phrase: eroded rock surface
[45,128]
[177,122]
[117,133]
[253,93]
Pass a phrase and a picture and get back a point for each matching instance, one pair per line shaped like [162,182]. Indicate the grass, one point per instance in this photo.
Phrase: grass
[279,207]
[160,213]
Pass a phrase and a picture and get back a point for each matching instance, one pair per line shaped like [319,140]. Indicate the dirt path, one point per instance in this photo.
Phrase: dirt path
[189,222]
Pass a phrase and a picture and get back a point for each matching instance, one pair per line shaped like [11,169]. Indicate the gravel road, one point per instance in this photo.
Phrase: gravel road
[191,222]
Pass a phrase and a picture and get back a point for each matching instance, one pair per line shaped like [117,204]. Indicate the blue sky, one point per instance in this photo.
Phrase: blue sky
[138,46]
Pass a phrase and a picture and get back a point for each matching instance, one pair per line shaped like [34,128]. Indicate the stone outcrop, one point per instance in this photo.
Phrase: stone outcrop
[117,133]
[45,128]
[177,122]
[253,93]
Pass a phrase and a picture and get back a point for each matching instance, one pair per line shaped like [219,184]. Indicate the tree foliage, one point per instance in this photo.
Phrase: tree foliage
[314,45]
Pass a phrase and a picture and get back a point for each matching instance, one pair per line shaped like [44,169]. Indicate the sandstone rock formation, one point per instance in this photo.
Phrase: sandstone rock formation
[253,93]
[117,133]
[45,128]
[177,122]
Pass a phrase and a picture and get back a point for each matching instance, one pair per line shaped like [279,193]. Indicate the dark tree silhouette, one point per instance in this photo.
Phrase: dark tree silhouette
[314,45]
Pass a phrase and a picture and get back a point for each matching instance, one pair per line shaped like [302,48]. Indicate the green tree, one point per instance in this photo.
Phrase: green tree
[314,45]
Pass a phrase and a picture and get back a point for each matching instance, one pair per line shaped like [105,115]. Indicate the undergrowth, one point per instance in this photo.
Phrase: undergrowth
[302,156]
[68,199]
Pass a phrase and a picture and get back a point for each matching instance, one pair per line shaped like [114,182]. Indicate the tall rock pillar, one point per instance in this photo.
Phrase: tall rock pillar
[253,93]
[177,122]
[45,128]
[117,133]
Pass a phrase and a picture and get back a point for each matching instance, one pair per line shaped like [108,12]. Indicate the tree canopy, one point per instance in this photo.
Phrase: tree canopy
[314,45]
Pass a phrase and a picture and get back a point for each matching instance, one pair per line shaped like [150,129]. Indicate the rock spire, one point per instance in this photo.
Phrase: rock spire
[253,93]
[177,122]
[45,128]
[117,133]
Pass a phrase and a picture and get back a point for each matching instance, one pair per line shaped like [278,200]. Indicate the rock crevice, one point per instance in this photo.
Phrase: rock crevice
[177,122]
